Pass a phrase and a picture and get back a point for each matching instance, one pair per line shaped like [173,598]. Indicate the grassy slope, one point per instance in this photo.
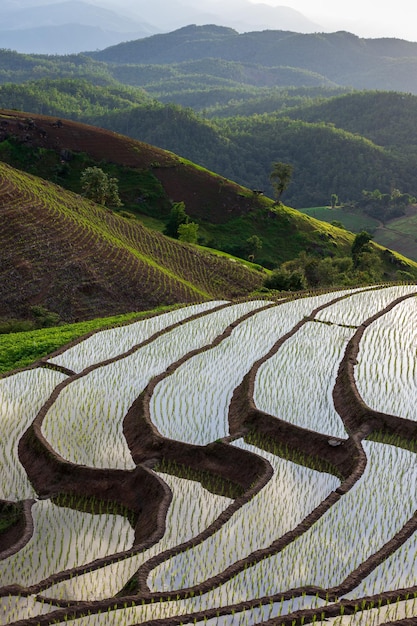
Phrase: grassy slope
[76,258]
[150,179]
[400,234]
[353,221]
[80,260]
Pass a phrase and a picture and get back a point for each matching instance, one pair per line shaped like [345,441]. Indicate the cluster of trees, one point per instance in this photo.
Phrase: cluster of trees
[363,265]
[179,225]
[19,68]
[70,98]
[386,206]
[100,187]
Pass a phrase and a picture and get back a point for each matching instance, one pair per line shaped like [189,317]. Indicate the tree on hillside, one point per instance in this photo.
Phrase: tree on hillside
[280,177]
[334,200]
[188,232]
[100,187]
[253,245]
[360,245]
[177,217]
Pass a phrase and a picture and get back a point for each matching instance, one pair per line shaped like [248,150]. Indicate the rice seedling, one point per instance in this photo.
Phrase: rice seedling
[109,343]
[296,383]
[21,397]
[63,538]
[190,404]
[14,608]
[375,616]
[346,535]
[84,425]
[364,304]
[385,374]
[292,493]
[192,509]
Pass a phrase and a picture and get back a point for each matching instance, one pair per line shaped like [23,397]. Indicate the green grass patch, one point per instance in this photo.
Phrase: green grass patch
[352,221]
[152,222]
[234,259]
[400,234]
[284,232]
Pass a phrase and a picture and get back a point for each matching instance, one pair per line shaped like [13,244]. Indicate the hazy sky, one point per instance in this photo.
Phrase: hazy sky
[366,18]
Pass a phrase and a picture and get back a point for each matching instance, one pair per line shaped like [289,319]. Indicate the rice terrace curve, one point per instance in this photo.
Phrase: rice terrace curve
[225,463]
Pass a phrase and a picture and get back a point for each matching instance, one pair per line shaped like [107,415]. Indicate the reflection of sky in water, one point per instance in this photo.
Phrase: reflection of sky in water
[292,493]
[386,373]
[14,608]
[160,610]
[364,305]
[142,614]
[192,509]
[296,383]
[263,613]
[398,571]
[358,525]
[21,397]
[191,405]
[85,423]
[64,538]
[107,344]
[355,527]
[375,617]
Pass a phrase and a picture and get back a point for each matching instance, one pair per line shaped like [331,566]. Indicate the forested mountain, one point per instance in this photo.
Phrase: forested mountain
[342,58]
[17,68]
[70,26]
[237,116]
[63,254]
[266,58]
[386,118]
[337,145]
[326,159]
[72,98]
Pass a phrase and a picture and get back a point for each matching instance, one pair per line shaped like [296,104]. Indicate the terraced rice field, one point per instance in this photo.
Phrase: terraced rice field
[223,464]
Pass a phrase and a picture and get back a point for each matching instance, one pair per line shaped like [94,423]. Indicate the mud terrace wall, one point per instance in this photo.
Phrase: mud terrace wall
[279,497]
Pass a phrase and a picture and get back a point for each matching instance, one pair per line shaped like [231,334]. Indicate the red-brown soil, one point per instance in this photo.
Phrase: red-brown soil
[82,261]
[181,181]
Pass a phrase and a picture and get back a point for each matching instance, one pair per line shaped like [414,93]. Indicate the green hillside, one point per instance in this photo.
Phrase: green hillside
[62,257]
[386,118]
[76,257]
[343,144]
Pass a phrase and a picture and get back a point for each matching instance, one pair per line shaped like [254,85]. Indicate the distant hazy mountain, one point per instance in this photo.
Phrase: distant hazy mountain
[239,14]
[53,27]
[65,27]
[64,39]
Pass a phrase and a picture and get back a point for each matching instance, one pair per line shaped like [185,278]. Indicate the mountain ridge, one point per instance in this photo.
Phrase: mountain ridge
[24,26]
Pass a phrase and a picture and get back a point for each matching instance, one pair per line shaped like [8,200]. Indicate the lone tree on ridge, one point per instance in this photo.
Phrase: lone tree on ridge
[280,177]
